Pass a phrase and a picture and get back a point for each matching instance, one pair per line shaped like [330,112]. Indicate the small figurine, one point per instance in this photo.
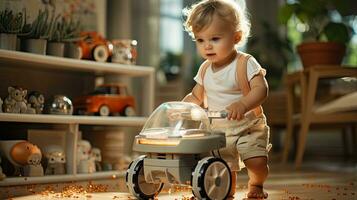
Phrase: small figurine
[96,155]
[30,110]
[29,156]
[2,175]
[85,164]
[1,105]
[37,101]
[24,156]
[55,160]
[15,102]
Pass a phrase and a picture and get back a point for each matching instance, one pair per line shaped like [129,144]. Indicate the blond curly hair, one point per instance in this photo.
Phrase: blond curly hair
[200,15]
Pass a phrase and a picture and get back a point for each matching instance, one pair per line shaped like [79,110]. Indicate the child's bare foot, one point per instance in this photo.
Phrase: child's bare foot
[256,192]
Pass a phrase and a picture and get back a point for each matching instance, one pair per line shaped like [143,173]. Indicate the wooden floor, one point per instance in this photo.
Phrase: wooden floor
[326,174]
[316,180]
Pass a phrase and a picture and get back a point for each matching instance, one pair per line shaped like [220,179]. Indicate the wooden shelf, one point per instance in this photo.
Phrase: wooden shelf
[12,181]
[59,63]
[72,119]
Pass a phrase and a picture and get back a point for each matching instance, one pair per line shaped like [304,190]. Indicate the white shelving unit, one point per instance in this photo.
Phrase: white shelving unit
[16,58]
[72,123]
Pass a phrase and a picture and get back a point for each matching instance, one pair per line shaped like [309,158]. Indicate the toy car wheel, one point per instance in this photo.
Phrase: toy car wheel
[211,179]
[100,53]
[104,110]
[129,111]
[136,183]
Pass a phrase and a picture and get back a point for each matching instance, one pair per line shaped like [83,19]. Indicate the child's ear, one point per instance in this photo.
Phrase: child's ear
[237,36]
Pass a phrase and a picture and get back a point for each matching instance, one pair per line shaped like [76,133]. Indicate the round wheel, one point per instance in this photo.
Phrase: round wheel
[100,53]
[104,110]
[211,179]
[135,181]
[129,111]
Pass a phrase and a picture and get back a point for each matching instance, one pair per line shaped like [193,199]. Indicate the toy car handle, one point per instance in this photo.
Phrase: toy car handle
[217,114]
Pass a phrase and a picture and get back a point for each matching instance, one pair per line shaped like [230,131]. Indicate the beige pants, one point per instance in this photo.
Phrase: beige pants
[245,139]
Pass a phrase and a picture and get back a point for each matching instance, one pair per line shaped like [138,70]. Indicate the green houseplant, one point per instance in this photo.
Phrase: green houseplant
[63,31]
[10,25]
[325,31]
[33,35]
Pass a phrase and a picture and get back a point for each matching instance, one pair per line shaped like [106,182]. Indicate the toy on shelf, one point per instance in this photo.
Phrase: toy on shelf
[175,138]
[2,175]
[61,105]
[124,51]
[108,99]
[97,156]
[95,47]
[15,102]
[85,163]
[55,159]
[24,156]
[36,100]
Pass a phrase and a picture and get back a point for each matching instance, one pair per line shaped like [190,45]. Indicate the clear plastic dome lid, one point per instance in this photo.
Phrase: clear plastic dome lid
[176,119]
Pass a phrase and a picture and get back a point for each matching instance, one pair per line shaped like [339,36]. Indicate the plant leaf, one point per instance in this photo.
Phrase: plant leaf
[337,32]
[285,13]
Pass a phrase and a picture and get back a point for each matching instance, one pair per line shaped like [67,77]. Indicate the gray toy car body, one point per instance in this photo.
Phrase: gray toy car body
[177,141]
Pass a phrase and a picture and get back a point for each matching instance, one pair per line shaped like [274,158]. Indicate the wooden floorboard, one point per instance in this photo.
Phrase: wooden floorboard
[316,180]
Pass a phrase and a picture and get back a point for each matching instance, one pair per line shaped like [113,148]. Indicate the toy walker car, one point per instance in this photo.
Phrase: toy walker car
[177,140]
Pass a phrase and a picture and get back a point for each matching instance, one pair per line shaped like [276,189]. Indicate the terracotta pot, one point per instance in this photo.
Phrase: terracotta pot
[321,53]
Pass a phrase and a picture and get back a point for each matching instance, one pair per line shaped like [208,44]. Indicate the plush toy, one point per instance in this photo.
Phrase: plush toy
[15,102]
[85,163]
[37,101]
[55,160]
[96,155]
[29,156]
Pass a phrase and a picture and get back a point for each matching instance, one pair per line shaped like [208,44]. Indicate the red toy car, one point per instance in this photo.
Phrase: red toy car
[108,99]
[95,47]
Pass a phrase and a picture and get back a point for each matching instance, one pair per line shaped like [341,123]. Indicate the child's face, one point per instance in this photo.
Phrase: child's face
[216,42]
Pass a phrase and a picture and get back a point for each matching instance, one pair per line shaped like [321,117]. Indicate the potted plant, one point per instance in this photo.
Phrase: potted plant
[34,35]
[64,31]
[324,37]
[10,25]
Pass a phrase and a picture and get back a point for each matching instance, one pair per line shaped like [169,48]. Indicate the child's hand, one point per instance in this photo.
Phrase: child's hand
[236,111]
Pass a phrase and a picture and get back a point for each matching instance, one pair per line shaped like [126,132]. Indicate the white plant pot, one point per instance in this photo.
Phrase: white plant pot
[37,46]
[55,49]
[72,50]
[8,41]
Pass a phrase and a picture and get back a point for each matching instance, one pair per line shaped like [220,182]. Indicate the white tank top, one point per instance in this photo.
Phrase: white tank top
[221,87]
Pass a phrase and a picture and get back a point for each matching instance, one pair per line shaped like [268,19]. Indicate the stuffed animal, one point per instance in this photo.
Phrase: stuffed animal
[85,163]
[96,155]
[37,101]
[15,102]
[55,160]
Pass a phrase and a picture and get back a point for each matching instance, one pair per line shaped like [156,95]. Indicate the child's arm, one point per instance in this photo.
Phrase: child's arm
[256,97]
[196,96]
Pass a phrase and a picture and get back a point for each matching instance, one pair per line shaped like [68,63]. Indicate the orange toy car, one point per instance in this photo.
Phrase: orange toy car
[108,99]
[95,47]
